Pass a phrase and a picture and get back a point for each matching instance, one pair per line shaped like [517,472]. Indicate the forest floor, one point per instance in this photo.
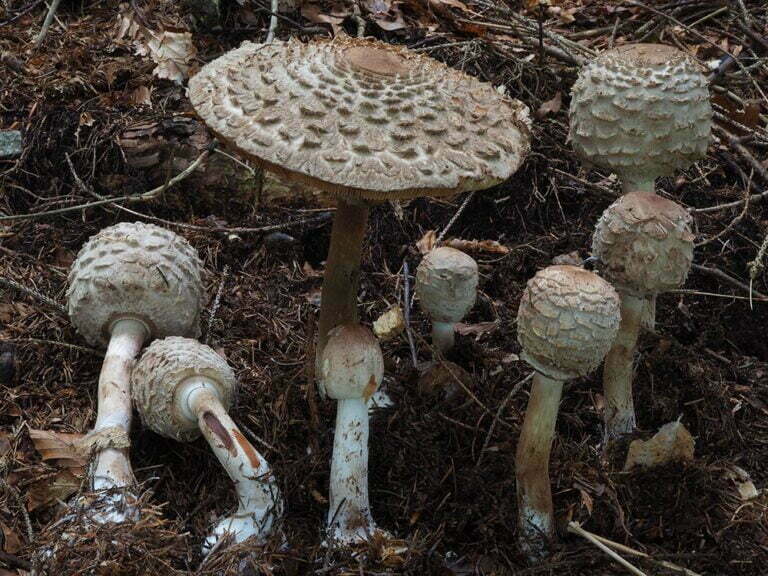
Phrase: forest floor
[97,122]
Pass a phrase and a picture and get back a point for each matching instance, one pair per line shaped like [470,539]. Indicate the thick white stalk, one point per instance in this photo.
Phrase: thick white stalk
[112,467]
[259,501]
[618,369]
[443,336]
[349,515]
[534,494]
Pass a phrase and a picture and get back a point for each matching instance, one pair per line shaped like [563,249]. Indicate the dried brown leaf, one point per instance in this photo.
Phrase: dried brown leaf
[488,246]
[550,106]
[427,242]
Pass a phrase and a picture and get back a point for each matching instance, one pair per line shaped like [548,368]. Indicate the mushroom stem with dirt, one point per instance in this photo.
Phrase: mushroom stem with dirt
[351,370]
[183,389]
[644,246]
[446,284]
[130,283]
[566,322]
[365,122]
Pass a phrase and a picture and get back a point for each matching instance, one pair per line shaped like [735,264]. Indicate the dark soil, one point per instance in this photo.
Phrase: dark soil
[442,471]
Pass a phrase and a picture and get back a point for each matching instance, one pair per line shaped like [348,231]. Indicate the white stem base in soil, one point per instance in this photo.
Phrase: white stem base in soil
[349,515]
[443,336]
[111,468]
[619,413]
[536,520]
[259,501]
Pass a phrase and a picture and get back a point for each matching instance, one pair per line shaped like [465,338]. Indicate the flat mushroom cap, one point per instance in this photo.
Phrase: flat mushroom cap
[136,270]
[446,284]
[361,118]
[641,111]
[351,365]
[643,244]
[158,374]
[567,320]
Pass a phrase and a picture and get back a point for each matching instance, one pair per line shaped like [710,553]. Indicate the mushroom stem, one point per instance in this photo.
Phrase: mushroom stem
[112,466]
[639,185]
[259,502]
[342,269]
[349,514]
[617,372]
[534,494]
[443,336]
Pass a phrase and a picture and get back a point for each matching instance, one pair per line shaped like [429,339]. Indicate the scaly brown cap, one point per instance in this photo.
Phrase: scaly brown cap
[361,118]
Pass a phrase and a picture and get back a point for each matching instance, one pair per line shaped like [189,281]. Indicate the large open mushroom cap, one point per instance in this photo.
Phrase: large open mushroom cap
[644,243]
[641,110]
[361,118]
[136,270]
[567,320]
[157,377]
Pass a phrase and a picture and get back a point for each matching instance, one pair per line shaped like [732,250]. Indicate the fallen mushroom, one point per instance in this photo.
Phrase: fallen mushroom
[446,284]
[130,283]
[644,246]
[566,322]
[351,370]
[641,111]
[182,389]
[364,121]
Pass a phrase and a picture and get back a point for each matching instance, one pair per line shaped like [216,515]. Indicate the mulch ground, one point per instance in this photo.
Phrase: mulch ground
[442,470]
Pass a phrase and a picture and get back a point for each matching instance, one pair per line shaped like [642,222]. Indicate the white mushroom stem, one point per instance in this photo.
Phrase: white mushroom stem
[349,514]
[617,372]
[443,336]
[259,502]
[112,466]
[534,494]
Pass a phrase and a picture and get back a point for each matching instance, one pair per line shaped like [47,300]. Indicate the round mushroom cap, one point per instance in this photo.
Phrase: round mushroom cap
[158,375]
[641,111]
[446,283]
[351,364]
[643,244]
[567,321]
[136,270]
[360,118]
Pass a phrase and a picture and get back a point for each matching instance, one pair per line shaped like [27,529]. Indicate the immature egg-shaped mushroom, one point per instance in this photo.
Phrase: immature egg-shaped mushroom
[351,370]
[446,284]
[566,322]
[182,389]
[641,111]
[644,246]
[130,283]
[364,121]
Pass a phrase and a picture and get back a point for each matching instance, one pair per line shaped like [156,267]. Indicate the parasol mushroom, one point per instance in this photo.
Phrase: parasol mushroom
[566,322]
[181,389]
[446,284]
[644,246]
[130,283]
[351,370]
[641,111]
[365,121]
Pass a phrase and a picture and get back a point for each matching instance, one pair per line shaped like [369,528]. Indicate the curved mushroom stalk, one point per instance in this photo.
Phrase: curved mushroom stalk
[259,502]
[349,514]
[617,372]
[111,467]
[534,495]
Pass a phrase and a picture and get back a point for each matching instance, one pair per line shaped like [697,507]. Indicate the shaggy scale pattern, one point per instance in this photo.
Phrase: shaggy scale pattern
[567,320]
[641,111]
[362,118]
[352,365]
[159,372]
[644,244]
[446,284]
[140,271]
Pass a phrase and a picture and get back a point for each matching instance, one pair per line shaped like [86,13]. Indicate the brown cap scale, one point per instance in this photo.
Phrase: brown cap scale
[446,284]
[641,111]
[566,322]
[130,283]
[364,121]
[644,246]
[182,389]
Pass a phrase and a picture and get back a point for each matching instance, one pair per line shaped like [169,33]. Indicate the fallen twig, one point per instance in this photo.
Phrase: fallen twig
[727,278]
[47,22]
[8,283]
[574,528]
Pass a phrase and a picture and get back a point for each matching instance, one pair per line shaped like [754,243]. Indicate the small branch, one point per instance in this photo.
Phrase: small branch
[272,21]
[8,283]
[455,217]
[727,278]
[407,313]
[47,23]
[216,302]
[574,528]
